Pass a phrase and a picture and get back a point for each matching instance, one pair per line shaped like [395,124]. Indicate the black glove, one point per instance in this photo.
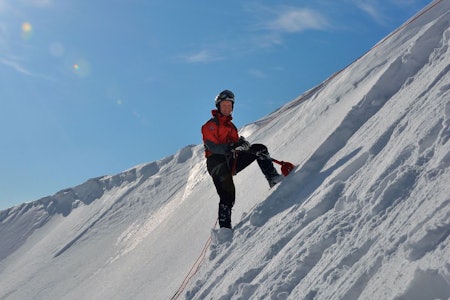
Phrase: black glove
[241,145]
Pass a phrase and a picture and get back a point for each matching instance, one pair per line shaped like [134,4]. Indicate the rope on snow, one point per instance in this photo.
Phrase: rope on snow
[195,267]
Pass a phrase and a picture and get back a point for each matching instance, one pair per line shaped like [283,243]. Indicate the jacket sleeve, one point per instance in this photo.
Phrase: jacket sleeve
[211,140]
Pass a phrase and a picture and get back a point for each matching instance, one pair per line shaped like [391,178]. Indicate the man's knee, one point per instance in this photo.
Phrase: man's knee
[259,147]
[260,151]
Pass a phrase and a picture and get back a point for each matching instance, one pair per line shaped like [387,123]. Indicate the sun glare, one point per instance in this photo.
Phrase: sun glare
[82,68]
[27,30]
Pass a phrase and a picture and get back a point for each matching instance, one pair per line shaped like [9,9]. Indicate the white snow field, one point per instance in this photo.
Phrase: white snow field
[365,214]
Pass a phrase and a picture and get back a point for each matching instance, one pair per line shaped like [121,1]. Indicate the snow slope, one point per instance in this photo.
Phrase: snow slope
[365,215]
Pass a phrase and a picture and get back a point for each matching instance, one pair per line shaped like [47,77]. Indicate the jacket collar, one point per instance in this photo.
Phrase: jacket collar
[218,115]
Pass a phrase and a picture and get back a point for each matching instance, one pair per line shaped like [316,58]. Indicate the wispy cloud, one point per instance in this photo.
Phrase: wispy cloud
[384,12]
[258,73]
[266,26]
[202,56]
[16,66]
[278,21]
[373,9]
[291,19]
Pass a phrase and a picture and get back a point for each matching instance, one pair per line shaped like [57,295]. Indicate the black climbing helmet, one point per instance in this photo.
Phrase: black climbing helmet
[224,95]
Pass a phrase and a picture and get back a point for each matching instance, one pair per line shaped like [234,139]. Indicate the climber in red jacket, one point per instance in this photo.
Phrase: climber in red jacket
[227,154]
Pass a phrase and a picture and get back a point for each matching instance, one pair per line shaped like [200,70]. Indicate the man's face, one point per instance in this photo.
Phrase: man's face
[226,107]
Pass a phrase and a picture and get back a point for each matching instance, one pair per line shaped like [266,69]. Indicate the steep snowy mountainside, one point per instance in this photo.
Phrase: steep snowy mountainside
[367,213]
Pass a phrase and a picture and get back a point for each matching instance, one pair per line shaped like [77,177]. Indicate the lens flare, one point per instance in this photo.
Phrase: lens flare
[82,68]
[27,30]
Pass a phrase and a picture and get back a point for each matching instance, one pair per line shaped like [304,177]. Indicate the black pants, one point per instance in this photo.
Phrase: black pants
[222,167]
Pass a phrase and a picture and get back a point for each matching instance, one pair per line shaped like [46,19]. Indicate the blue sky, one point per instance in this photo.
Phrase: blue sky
[91,88]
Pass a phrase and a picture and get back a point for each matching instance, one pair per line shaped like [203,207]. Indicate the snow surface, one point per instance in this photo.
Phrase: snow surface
[365,215]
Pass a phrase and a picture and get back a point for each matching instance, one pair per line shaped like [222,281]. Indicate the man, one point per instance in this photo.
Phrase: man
[227,154]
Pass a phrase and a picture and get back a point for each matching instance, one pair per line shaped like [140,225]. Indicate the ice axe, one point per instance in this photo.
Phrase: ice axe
[286,167]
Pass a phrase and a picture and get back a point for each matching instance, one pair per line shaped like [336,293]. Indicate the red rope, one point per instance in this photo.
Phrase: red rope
[195,267]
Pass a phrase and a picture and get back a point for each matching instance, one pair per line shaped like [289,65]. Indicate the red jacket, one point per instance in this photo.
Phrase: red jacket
[218,133]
